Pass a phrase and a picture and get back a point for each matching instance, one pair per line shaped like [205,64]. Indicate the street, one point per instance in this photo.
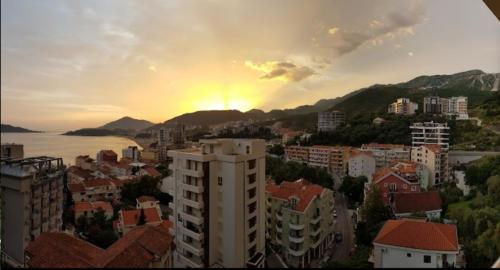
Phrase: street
[344,225]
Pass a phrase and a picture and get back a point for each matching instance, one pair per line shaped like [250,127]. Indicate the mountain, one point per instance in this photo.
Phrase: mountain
[127,123]
[9,128]
[472,79]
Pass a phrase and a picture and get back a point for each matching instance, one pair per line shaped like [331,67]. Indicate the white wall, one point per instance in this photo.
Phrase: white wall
[397,257]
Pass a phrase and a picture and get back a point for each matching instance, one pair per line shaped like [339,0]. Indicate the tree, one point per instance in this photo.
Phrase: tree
[142,218]
[81,223]
[104,238]
[277,149]
[147,186]
[374,210]
[450,193]
[493,184]
[353,188]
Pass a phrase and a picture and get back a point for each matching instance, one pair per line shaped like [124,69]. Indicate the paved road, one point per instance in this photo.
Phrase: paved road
[344,225]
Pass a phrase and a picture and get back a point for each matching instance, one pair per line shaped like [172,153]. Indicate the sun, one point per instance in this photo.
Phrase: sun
[216,96]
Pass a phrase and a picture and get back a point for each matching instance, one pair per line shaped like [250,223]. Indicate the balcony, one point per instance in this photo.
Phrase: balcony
[279,228]
[191,172]
[192,188]
[315,241]
[193,247]
[297,253]
[316,219]
[192,262]
[191,217]
[279,216]
[296,238]
[191,202]
[296,226]
[315,231]
[190,233]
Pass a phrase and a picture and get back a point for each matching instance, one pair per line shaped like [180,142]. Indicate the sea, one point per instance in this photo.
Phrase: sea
[54,144]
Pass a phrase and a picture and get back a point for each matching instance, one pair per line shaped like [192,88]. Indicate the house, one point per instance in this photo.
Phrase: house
[128,219]
[361,163]
[78,174]
[85,162]
[390,182]
[106,156]
[435,158]
[88,209]
[416,244]
[406,204]
[147,202]
[143,247]
[97,189]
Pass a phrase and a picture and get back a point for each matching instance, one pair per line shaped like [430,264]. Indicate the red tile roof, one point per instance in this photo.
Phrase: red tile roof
[138,248]
[108,152]
[89,206]
[417,202]
[418,235]
[435,148]
[76,188]
[83,173]
[146,199]
[301,189]
[355,153]
[382,145]
[98,182]
[60,250]
[131,217]
[151,171]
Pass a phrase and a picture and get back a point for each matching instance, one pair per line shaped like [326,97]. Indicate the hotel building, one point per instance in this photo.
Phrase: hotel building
[435,158]
[385,154]
[219,204]
[330,120]
[403,106]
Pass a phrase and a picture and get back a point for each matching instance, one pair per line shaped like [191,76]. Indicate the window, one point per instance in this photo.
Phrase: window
[251,178]
[219,181]
[408,255]
[248,149]
[252,192]
[427,259]
[251,164]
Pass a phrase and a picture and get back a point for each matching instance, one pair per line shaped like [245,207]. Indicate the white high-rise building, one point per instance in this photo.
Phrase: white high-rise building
[219,204]
[457,106]
[430,133]
[31,202]
[403,106]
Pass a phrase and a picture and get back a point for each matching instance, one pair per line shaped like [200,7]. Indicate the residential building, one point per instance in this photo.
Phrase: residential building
[150,154]
[330,120]
[88,209]
[416,244]
[142,247]
[147,202]
[85,162]
[106,156]
[435,158]
[97,189]
[77,174]
[319,156]
[218,205]
[32,202]
[289,136]
[457,106]
[339,156]
[411,171]
[408,204]
[132,152]
[389,182]
[385,154]
[403,106]
[299,220]
[129,219]
[11,150]
[433,105]
[297,153]
[361,163]
[430,133]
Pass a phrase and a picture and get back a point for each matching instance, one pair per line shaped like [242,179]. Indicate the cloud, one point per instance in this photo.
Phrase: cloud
[284,71]
[396,23]
[410,54]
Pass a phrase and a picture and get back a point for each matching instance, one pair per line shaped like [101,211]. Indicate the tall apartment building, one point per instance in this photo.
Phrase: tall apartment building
[457,106]
[299,220]
[385,154]
[430,133]
[330,120]
[32,202]
[131,152]
[12,150]
[433,105]
[297,153]
[219,204]
[403,106]
[435,158]
[361,163]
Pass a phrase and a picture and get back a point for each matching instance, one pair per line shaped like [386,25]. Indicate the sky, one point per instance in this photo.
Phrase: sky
[73,64]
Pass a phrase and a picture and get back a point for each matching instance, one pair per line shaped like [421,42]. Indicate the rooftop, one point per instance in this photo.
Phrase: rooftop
[417,202]
[301,189]
[418,235]
[131,217]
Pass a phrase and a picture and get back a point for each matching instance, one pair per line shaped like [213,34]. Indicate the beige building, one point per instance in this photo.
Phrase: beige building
[12,150]
[299,220]
[32,201]
[219,204]
[435,158]
[385,154]
[403,106]
[97,189]
[85,162]
[332,158]
[297,153]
